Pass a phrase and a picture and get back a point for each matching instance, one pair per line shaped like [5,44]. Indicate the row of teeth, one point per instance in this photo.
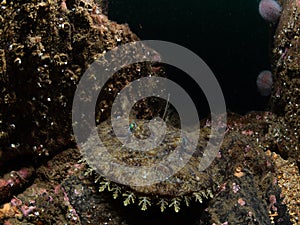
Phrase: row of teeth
[145,202]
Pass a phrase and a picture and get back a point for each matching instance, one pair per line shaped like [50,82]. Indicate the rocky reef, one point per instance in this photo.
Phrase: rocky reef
[285,64]
[45,48]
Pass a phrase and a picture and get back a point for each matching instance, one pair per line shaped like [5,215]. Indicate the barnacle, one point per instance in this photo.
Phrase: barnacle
[2,66]
[61,59]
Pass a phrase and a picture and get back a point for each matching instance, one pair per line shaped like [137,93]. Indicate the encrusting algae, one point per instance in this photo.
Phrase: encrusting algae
[288,178]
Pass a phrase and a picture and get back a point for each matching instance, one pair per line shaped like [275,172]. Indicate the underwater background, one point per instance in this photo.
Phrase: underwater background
[47,178]
[230,36]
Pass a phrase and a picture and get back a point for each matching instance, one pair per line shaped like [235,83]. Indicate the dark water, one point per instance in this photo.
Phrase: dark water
[230,36]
